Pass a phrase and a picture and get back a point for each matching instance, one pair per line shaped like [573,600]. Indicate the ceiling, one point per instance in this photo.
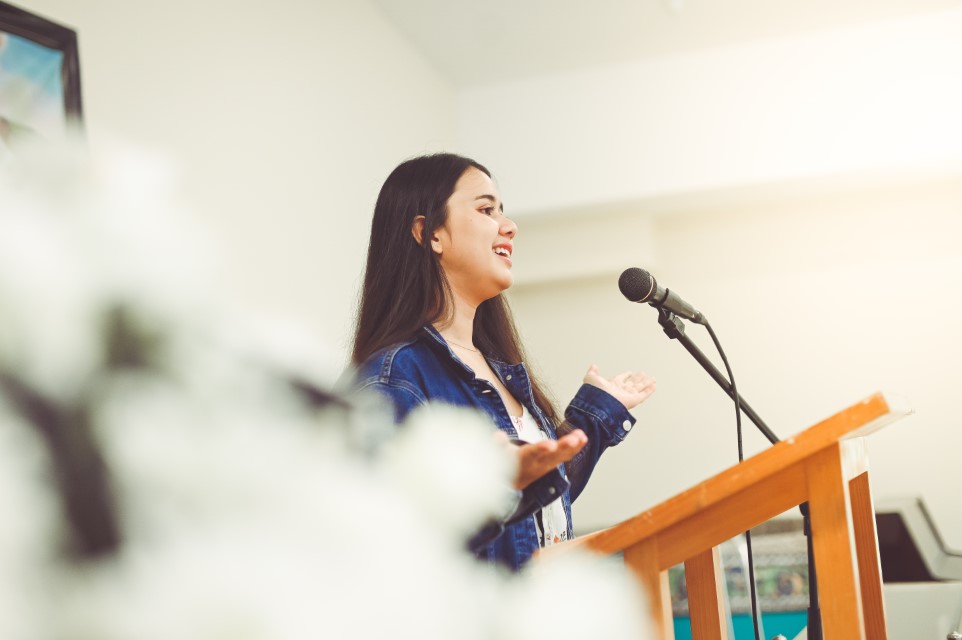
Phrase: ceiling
[482,41]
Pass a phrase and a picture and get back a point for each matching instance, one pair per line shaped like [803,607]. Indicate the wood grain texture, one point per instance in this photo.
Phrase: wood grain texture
[833,541]
[869,565]
[706,596]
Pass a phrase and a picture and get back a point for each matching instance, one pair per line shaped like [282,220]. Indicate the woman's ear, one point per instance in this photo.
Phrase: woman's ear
[417,230]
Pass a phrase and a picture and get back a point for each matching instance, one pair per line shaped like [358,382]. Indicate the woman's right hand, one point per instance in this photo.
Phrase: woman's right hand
[538,458]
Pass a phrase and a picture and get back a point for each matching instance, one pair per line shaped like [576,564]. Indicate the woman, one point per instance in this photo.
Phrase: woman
[434,327]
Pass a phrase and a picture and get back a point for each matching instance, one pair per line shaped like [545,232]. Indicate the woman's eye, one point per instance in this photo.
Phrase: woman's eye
[487,211]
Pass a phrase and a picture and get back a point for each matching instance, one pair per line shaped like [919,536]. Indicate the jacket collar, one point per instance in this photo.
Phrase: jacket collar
[513,376]
[436,341]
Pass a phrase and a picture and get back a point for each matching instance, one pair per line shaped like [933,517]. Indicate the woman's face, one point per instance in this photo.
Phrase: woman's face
[476,241]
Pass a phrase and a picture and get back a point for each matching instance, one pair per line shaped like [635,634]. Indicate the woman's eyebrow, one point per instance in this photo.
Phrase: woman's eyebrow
[493,200]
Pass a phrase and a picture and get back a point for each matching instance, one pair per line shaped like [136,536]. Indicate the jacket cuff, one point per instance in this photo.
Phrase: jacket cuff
[487,535]
[540,494]
[603,409]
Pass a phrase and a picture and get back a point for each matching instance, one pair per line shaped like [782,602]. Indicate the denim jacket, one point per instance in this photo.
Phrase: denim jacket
[425,369]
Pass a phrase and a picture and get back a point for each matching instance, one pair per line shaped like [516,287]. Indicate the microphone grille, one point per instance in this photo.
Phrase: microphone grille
[636,284]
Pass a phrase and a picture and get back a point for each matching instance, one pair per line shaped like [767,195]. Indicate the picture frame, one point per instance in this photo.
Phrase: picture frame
[39,78]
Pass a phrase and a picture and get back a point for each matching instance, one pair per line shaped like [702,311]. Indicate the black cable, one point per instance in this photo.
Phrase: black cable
[756,619]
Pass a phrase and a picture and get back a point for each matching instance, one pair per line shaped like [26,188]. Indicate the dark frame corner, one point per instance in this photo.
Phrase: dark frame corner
[20,22]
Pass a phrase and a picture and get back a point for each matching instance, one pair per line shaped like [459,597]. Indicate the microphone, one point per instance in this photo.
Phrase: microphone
[639,286]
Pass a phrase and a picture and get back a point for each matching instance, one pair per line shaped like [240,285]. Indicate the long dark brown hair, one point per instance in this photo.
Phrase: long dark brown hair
[404,284]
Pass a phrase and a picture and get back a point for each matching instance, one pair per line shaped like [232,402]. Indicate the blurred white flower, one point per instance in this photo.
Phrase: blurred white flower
[46,280]
[29,531]
[281,346]
[448,458]
[589,598]
[77,240]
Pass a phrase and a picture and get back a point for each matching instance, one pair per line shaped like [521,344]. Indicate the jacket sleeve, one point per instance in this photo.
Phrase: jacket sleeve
[402,396]
[604,420]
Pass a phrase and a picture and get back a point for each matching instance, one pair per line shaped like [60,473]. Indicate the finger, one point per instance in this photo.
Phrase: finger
[532,468]
[592,372]
[537,459]
[563,454]
[537,452]
[567,451]
[646,387]
[639,397]
[551,453]
[621,377]
[576,438]
[642,382]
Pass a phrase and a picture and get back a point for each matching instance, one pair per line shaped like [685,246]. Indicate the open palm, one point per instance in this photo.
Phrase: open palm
[631,389]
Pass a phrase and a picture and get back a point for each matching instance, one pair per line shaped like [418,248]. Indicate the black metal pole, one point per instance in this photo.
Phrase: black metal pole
[814,631]
[675,329]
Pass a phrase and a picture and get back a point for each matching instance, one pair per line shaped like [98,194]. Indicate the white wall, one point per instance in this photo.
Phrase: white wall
[875,97]
[806,193]
[284,118]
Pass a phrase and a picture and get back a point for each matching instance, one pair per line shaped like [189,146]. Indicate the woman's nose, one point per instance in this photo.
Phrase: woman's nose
[508,227]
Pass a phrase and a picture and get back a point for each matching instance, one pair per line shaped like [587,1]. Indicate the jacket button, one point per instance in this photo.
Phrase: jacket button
[551,490]
[627,425]
[507,377]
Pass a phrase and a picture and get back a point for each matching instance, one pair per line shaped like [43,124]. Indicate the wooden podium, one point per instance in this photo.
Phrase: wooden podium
[825,465]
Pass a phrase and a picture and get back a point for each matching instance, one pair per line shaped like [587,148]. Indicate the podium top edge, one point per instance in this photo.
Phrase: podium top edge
[898,405]
[788,456]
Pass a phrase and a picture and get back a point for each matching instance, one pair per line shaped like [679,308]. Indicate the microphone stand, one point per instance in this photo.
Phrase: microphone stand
[674,328]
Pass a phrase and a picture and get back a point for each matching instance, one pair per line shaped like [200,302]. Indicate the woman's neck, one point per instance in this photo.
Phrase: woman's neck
[459,325]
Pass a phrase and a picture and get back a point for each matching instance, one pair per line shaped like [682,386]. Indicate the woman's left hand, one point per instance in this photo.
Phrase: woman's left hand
[631,389]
